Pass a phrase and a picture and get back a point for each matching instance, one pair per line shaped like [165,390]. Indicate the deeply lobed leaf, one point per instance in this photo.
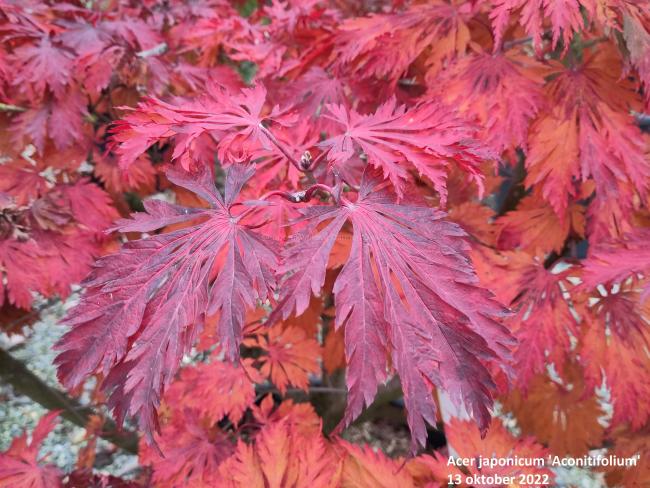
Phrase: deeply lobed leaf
[144,305]
[407,290]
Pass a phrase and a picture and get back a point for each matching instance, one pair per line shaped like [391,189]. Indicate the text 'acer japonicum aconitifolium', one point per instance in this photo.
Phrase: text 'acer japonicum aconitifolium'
[332,195]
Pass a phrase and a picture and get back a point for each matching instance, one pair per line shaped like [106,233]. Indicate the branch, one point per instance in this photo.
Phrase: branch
[24,382]
[515,42]
[265,389]
[523,40]
[316,161]
[593,42]
[331,409]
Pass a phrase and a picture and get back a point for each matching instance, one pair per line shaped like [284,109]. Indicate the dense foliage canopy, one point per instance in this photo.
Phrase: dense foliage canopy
[283,212]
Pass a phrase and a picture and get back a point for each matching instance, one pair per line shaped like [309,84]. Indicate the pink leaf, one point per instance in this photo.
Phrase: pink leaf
[427,138]
[234,119]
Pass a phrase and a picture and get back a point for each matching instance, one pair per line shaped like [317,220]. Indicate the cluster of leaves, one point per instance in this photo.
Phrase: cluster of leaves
[449,192]
[288,450]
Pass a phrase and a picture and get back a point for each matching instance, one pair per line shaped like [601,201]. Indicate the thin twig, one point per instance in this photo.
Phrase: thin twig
[294,197]
[281,147]
[516,42]
[316,161]
[265,389]
[593,42]
[328,389]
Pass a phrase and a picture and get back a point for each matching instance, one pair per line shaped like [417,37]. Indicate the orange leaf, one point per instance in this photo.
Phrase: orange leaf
[309,320]
[364,468]
[300,417]
[191,453]
[334,350]
[215,390]
[476,219]
[535,228]
[562,415]
[281,458]
[288,358]
[630,445]
[341,249]
[613,350]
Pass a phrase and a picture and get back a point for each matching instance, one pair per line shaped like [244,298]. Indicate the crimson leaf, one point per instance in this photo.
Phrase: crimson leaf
[408,290]
[144,305]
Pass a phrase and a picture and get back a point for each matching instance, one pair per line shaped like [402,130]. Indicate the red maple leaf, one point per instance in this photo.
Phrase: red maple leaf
[548,112]
[435,329]
[235,119]
[502,91]
[189,455]
[19,465]
[40,66]
[49,244]
[542,323]
[428,137]
[385,45]
[60,119]
[587,134]
[636,31]
[144,305]
[565,17]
